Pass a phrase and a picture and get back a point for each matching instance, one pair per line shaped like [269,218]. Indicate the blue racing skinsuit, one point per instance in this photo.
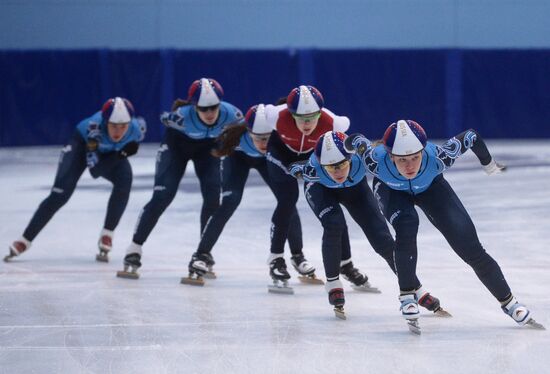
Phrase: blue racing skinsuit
[235,170]
[104,159]
[186,138]
[397,197]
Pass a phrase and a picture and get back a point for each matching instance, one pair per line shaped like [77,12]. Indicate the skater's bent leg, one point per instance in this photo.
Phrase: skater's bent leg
[447,213]
[71,166]
[295,234]
[121,177]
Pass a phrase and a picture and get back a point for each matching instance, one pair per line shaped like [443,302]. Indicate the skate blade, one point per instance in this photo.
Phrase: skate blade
[414,326]
[280,289]
[100,258]
[534,324]
[339,313]
[366,288]
[127,274]
[310,279]
[8,258]
[209,275]
[442,313]
[192,281]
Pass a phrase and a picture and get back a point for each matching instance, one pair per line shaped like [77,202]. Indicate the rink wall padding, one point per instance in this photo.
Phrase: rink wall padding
[501,93]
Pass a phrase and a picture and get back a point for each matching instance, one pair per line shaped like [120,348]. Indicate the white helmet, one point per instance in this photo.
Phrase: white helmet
[256,120]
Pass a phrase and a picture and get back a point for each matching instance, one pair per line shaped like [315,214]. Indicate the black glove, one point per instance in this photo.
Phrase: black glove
[128,150]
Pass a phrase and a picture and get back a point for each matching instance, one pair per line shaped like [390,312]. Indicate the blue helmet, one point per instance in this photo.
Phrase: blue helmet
[117,110]
[304,100]
[404,138]
[330,149]
[205,92]
[256,120]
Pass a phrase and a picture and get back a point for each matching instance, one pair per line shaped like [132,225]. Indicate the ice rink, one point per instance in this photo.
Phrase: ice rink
[63,312]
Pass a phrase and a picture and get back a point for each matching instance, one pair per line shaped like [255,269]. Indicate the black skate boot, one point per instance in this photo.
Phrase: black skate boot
[280,276]
[132,261]
[359,281]
[305,269]
[198,267]
[431,303]
[209,261]
[336,297]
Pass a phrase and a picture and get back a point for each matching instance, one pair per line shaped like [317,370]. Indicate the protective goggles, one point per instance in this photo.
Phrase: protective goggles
[260,137]
[342,165]
[204,109]
[307,117]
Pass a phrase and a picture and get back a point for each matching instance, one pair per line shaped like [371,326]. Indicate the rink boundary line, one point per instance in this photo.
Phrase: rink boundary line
[168,324]
[155,347]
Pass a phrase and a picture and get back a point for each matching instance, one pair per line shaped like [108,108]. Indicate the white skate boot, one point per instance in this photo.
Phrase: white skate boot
[409,310]
[105,244]
[520,314]
[17,247]
[336,297]
[305,269]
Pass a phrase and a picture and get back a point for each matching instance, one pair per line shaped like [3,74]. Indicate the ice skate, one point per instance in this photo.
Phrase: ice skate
[198,268]
[105,244]
[336,297]
[409,311]
[280,276]
[305,269]
[520,314]
[132,262]
[16,248]
[359,281]
[431,303]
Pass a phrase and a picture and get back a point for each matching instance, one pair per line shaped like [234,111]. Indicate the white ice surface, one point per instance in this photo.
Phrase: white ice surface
[62,312]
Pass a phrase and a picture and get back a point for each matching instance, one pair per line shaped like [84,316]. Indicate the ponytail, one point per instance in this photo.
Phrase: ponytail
[179,103]
[228,140]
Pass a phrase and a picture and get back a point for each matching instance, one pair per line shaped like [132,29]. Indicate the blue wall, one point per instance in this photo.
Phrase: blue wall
[503,94]
[450,64]
[271,24]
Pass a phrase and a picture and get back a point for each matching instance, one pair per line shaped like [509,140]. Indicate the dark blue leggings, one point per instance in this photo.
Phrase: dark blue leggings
[360,203]
[72,164]
[445,211]
[235,171]
[174,153]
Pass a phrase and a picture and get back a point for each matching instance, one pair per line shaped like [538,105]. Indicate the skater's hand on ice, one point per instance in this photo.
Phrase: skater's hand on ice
[494,167]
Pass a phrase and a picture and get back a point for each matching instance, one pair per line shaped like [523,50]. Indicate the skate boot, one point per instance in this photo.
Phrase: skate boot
[336,297]
[280,276]
[520,313]
[17,247]
[198,267]
[132,261]
[426,300]
[409,310]
[105,244]
[305,269]
[209,260]
[359,281]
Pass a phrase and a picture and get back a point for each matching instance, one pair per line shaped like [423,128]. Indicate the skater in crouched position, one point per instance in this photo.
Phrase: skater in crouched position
[334,177]
[408,171]
[192,127]
[102,142]
[298,123]
[243,148]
